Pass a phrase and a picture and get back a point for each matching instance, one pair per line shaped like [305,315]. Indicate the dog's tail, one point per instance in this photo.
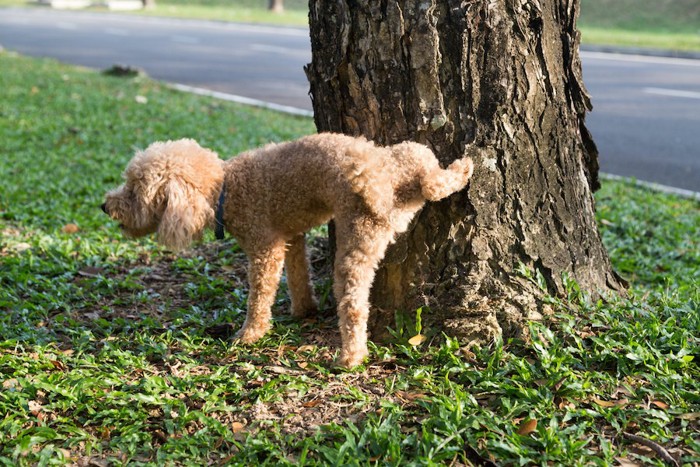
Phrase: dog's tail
[441,183]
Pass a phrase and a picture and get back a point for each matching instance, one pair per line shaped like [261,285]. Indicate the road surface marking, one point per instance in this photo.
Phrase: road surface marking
[279,50]
[67,26]
[185,39]
[673,93]
[117,32]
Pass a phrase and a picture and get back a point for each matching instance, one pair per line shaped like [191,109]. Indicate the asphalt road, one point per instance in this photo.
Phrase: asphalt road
[646,119]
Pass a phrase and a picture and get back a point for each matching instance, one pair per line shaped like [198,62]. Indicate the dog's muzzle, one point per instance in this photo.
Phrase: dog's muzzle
[103,206]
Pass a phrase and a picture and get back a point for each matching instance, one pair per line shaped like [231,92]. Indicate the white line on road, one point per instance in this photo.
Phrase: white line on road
[241,100]
[67,26]
[185,39]
[641,58]
[278,50]
[672,93]
[117,32]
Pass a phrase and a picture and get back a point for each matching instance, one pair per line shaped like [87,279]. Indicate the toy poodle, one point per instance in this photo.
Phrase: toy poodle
[267,198]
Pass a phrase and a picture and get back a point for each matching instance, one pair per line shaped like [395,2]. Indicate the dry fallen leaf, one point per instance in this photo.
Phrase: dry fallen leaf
[280,370]
[527,426]
[312,403]
[35,408]
[467,354]
[237,427]
[90,271]
[409,396]
[20,247]
[70,229]
[660,404]
[603,403]
[417,339]
[566,404]
[60,366]
[10,384]
[625,462]
[557,385]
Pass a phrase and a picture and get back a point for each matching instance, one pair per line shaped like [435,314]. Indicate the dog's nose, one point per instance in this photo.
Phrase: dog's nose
[103,206]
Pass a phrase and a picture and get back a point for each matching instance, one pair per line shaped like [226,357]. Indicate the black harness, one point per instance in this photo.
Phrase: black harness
[219,227]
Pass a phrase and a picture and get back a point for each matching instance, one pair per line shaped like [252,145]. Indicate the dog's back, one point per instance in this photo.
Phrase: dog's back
[303,183]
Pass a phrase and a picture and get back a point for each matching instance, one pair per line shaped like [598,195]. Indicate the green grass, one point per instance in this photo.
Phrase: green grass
[661,40]
[104,358]
[243,11]
[663,24]
[246,11]
[639,15]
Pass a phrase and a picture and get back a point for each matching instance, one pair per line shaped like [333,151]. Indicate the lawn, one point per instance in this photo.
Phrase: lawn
[662,24]
[104,356]
[246,11]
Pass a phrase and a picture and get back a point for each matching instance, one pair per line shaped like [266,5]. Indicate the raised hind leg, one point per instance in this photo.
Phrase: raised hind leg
[441,183]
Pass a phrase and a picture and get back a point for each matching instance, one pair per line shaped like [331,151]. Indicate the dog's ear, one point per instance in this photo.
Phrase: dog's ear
[186,214]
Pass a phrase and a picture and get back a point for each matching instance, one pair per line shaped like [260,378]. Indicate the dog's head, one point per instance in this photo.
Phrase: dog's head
[170,189]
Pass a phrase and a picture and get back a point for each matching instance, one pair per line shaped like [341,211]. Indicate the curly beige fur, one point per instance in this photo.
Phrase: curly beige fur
[276,193]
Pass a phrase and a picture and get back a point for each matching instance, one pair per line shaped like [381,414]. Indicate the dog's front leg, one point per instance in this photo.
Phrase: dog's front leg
[298,282]
[264,273]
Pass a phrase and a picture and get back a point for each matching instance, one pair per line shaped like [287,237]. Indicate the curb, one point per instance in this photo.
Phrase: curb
[669,190]
[241,100]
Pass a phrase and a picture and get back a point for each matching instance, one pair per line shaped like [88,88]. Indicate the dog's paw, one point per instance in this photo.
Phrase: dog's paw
[351,360]
[249,335]
[304,311]
[463,166]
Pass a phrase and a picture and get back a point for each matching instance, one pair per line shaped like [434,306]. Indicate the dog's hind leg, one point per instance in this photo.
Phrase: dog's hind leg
[441,183]
[361,245]
[264,272]
[300,289]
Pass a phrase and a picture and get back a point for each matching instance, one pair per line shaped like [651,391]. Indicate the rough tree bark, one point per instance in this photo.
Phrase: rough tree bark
[504,75]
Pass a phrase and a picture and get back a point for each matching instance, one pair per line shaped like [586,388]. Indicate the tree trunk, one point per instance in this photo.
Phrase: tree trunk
[276,6]
[504,75]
